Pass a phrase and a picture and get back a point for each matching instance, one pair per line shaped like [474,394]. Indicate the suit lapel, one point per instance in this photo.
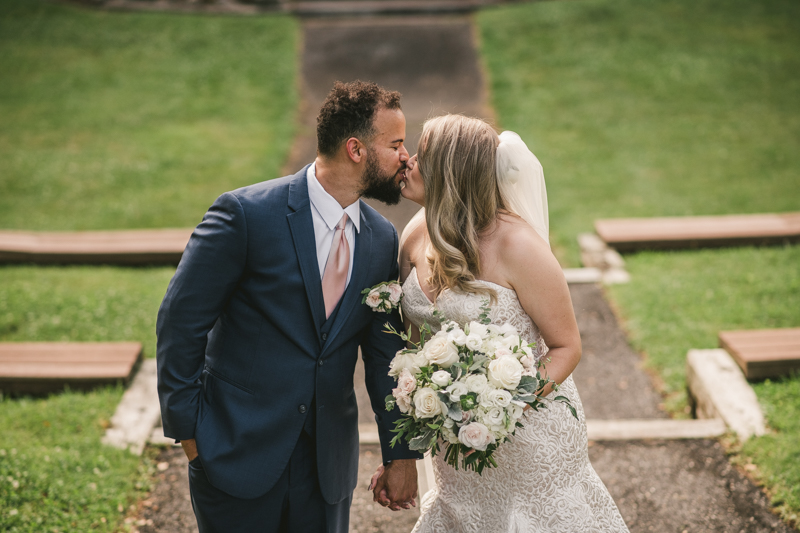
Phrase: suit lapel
[302,228]
[352,295]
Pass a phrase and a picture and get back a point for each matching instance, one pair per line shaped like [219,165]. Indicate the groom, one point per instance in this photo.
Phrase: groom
[259,331]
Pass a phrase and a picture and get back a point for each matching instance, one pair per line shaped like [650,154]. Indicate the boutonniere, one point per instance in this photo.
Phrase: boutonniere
[383,297]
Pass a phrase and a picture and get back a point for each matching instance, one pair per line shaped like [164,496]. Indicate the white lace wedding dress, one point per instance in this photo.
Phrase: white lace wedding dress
[544,481]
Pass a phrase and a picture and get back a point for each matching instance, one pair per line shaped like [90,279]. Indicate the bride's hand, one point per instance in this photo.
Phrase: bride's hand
[395,486]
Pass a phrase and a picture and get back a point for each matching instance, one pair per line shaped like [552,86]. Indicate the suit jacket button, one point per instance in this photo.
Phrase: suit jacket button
[302,409]
[324,336]
[321,362]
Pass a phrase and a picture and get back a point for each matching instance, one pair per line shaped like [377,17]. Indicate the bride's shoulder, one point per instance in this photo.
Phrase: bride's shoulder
[519,247]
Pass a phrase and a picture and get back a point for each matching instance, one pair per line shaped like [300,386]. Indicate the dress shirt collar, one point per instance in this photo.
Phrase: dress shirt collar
[327,206]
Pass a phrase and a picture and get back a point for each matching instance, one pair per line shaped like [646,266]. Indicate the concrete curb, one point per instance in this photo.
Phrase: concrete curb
[598,255]
[718,389]
[137,412]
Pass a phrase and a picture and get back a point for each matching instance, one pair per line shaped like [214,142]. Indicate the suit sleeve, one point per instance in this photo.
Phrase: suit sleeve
[378,348]
[207,275]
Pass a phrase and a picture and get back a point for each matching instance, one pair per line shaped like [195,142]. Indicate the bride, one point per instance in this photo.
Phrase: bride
[484,234]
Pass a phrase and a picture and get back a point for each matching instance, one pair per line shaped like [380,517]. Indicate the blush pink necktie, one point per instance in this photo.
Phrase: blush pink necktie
[334,279]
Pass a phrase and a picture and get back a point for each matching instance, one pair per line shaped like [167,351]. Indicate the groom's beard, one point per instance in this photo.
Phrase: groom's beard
[377,185]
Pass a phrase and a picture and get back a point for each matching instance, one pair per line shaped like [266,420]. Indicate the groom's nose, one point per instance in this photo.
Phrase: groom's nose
[403,154]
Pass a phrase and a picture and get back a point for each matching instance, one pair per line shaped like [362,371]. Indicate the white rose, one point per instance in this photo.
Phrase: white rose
[473,341]
[475,435]
[457,336]
[441,351]
[406,382]
[427,403]
[441,378]
[498,397]
[403,402]
[476,383]
[505,372]
[395,293]
[478,329]
[374,298]
[405,360]
[528,363]
[456,391]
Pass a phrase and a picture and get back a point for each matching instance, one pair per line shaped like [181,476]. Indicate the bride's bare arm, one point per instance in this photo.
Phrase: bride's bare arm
[534,273]
[411,243]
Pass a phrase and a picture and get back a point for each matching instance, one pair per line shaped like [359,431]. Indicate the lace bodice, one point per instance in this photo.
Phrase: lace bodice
[464,308]
[544,482]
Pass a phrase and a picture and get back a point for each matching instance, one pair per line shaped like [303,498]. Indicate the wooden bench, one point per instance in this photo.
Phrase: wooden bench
[127,247]
[631,234]
[43,367]
[763,353]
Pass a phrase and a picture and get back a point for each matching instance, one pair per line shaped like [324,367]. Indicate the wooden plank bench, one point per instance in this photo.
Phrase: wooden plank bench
[43,367]
[763,353]
[126,247]
[631,234]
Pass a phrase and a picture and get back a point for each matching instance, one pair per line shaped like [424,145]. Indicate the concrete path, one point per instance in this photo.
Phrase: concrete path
[663,486]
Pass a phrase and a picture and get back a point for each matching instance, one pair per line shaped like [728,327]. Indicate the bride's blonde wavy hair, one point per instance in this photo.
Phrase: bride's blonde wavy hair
[456,158]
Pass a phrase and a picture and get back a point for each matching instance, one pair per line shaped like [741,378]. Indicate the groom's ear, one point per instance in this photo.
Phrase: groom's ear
[356,150]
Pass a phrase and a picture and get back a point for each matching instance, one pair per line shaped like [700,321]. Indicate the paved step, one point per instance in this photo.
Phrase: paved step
[125,247]
[631,234]
[132,423]
[763,353]
[43,367]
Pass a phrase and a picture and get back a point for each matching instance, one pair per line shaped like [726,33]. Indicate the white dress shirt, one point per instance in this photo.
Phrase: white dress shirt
[326,214]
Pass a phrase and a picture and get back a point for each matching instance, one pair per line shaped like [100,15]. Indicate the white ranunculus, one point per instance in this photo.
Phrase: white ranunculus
[495,418]
[406,382]
[476,383]
[441,351]
[473,342]
[395,293]
[441,378]
[456,390]
[457,336]
[498,397]
[405,360]
[505,372]
[475,435]
[503,352]
[427,403]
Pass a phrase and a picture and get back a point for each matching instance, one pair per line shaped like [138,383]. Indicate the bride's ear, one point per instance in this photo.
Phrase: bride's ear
[356,150]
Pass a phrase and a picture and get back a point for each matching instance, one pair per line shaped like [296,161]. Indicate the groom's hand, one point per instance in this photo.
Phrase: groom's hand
[395,486]
[189,448]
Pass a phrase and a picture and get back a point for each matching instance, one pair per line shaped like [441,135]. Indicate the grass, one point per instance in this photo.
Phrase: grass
[647,108]
[661,108]
[81,303]
[679,301]
[55,475]
[113,120]
[117,120]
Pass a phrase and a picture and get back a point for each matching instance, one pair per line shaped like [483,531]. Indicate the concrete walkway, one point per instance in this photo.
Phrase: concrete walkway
[663,486]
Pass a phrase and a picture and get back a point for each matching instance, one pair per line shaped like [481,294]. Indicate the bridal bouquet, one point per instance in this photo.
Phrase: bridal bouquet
[466,387]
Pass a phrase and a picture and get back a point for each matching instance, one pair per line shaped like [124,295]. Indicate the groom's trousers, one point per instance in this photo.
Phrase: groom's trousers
[293,505]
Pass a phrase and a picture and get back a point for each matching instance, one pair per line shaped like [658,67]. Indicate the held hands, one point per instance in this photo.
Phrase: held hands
[395,486]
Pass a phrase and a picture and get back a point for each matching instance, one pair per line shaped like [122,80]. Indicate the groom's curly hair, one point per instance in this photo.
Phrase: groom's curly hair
[349,111]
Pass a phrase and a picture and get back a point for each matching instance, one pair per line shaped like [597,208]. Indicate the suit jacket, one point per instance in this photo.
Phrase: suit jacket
[241,349]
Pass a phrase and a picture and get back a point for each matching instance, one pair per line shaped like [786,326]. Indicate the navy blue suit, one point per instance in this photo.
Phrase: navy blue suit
[246,355]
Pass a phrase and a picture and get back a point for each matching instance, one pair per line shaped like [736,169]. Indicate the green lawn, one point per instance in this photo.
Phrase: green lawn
[113,120]
[117,120]
[679,301]
[648,108]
